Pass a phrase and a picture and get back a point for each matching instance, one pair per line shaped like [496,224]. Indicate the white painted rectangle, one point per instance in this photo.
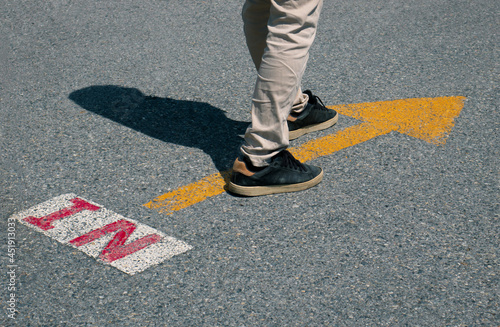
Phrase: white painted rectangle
[67,222]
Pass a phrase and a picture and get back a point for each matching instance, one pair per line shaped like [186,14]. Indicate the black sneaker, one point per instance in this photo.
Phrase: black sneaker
[314,117]
[284,174]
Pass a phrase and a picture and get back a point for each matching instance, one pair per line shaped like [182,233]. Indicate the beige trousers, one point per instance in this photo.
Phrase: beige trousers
[279,34]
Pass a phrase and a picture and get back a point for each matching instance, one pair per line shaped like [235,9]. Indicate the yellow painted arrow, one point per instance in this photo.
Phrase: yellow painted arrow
[429,119]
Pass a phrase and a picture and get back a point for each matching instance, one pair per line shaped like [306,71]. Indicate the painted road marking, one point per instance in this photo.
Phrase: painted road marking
[428,119]
[103,234]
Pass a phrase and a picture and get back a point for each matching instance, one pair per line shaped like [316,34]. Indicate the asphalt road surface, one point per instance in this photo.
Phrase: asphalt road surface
[116,104]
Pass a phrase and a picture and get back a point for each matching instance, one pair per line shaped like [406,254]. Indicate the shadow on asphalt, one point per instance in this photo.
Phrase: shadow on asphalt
[188,123]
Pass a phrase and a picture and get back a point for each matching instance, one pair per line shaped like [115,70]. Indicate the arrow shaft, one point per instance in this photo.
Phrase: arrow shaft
[335,142]
[190,194]
[212,185]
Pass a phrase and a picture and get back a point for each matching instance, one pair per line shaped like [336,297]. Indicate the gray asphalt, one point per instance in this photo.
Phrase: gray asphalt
[400,232]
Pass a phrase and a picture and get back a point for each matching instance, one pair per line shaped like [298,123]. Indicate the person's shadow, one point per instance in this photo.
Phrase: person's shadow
[188,123]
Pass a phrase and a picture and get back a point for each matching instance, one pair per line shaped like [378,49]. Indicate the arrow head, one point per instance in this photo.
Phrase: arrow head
[429,119]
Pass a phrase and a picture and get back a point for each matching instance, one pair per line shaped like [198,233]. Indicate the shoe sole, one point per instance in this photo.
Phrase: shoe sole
[313,128]
[273,189]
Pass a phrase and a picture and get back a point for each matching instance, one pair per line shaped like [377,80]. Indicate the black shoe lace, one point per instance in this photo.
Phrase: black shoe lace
[290,162]
[322,107]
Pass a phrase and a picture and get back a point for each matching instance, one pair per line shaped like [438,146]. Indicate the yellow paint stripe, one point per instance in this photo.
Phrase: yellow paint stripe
[335,142]
[190,194]
[429,119]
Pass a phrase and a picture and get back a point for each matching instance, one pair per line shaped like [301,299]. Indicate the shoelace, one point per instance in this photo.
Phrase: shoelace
[290,162]
[322,107]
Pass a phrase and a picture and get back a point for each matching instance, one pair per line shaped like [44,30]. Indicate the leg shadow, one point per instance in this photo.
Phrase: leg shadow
[187,123]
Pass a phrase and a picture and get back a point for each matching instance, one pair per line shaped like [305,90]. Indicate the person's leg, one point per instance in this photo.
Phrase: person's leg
[265,167]
[291,30]
[255,16]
